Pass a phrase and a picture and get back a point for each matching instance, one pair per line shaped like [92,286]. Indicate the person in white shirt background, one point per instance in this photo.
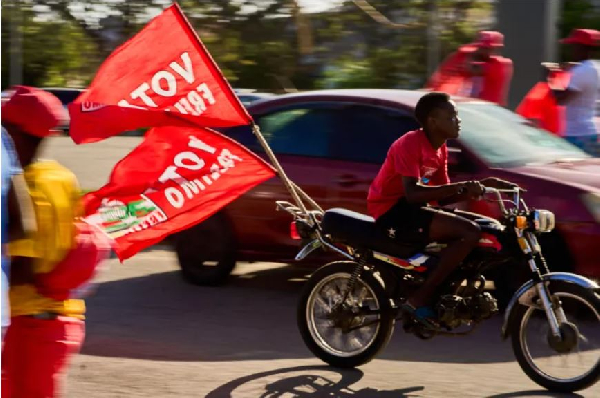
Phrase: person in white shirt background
[579,98]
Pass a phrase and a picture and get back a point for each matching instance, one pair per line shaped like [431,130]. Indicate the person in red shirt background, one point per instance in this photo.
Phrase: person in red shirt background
[412,178]
[476,70]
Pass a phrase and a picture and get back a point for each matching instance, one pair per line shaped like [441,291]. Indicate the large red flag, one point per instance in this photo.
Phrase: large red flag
[175,179]
[162,76]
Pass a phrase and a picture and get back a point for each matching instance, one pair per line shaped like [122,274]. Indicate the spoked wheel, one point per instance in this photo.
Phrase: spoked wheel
[344,333]
[572,362]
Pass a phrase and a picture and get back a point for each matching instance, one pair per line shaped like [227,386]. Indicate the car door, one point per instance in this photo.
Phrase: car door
[298,135]
[359,146]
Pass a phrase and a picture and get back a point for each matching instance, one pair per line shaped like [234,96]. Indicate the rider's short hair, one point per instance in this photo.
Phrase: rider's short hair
[428,103]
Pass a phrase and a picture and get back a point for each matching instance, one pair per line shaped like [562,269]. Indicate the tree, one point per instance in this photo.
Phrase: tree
[577,14]
[53,53]
[263,44]
[395,54]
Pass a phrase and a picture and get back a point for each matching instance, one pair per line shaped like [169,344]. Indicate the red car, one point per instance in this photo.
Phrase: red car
[332,143]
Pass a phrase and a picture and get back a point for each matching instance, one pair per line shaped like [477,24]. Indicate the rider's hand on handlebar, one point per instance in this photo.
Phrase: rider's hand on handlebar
[497,183]
[473,189]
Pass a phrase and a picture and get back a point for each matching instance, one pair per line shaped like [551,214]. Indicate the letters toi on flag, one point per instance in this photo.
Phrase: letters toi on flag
[162,76]
[176,178]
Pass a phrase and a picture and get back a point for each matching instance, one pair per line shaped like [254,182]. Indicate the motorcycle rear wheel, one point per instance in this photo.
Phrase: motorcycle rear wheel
[567,293]
[328,341]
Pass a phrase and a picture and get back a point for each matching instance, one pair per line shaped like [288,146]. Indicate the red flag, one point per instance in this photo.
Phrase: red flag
[162,76]
[540,105]
[175,179]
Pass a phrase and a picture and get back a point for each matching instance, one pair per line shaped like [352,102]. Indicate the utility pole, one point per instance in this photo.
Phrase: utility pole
[16,44]
[433,42]
[528,40]
[303,29]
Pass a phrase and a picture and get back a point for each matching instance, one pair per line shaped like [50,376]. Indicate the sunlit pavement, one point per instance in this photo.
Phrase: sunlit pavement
[149,334]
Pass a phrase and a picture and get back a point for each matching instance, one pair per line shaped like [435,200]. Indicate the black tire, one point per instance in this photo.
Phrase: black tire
[552,385]
[386,323]
[210,241]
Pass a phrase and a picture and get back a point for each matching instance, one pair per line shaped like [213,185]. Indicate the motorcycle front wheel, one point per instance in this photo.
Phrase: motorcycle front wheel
[344,333]
[568,364]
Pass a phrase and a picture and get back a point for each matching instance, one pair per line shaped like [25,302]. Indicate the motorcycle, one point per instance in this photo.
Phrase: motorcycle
[348,309]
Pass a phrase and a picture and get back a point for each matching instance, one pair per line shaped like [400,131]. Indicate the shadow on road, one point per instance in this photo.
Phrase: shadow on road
[525,394]
[306,381]
[160,317]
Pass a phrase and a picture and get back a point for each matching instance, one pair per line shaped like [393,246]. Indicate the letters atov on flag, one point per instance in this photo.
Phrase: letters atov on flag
[162,76]
[176,178]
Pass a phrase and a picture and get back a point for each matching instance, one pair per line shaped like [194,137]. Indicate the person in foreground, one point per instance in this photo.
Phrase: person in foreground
[50,266]
[414,177]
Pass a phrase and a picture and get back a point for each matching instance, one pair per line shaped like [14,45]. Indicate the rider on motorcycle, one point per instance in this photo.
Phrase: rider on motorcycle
[413,177]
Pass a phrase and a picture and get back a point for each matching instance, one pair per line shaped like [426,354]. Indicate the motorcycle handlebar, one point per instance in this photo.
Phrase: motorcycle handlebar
[514,191]
[489,190]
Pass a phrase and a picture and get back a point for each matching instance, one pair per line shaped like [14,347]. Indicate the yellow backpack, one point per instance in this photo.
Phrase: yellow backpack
[55,195]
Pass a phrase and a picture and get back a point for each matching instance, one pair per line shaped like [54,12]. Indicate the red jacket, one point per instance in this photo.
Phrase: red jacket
[453,76]
[539,104]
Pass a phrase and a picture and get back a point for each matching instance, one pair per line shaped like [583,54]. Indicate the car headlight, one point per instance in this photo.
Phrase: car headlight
[543,220]
[592,202]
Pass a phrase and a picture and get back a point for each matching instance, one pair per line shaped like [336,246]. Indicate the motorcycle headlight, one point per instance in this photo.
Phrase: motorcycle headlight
[543,220]
[592,202]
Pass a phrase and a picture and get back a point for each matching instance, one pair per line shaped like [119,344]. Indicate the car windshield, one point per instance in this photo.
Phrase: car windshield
[504,139]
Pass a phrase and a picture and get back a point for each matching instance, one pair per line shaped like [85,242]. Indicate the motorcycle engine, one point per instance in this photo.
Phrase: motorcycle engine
[453,311]
[483,306]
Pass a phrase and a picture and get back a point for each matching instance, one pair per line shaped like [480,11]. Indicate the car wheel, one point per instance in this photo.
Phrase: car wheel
[206,252]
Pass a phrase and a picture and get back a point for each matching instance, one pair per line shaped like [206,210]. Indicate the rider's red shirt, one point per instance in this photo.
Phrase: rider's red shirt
[409,156]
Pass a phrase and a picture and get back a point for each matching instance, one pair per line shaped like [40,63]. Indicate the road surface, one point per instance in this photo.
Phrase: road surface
[150,334]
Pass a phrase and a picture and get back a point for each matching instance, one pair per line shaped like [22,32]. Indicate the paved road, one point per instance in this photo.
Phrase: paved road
[91,163]
[152,335]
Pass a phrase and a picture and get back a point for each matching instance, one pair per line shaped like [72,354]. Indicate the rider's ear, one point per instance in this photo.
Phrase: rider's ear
[429,122]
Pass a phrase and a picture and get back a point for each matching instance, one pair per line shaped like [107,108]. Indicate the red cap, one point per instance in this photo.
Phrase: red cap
[587,37]
[490,38]
[35,111]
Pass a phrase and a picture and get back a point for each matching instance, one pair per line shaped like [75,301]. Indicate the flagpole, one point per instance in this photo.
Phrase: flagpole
[292,188]
[310,200]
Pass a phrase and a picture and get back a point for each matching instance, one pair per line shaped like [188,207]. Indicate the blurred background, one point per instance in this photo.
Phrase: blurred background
[286,45]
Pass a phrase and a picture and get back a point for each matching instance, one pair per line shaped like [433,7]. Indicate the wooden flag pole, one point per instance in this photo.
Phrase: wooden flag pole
[292,188]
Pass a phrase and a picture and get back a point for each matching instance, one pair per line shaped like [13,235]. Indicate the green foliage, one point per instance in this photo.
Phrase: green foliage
[53,53]
[262,44]
[577,14]
[395,56]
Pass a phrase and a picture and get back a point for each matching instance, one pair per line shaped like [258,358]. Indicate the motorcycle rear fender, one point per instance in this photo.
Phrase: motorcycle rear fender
[527,292]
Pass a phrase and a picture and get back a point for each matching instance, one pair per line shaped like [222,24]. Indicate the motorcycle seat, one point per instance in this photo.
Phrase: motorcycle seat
[359,231]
